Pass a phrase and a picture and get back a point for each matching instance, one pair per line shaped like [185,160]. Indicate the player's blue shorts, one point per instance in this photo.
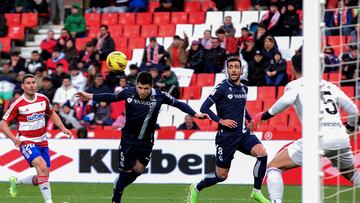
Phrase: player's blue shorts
[129,153]
[227,144]
[32,151]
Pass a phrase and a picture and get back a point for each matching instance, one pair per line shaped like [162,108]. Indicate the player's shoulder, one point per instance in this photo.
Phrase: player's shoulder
[223,85]
[128,90]
[328,86]
[40,96]
[294,85]
[18,102]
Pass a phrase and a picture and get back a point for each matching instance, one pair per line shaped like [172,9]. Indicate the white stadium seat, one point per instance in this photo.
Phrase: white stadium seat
[187,28]
[199,30]
[159,40]
[235,16]
[167,42]
[214,17]
[249,17]
[137,55]
[283,42]
[296,42]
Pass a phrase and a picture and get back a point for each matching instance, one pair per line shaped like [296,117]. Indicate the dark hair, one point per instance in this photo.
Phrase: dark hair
[297,62]
[233,59]
[133,67]
[89,44]
[82,133]
[244,29]
[166,68]
[176,37]
[59,64]
[35,52]
[144,78]
[66,77]
[220,31]
[104,26]
[152,39]
[98,75]
[122,77]
[26,77]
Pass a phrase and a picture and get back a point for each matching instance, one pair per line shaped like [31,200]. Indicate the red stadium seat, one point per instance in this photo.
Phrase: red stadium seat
[92,19]
[300,13]
[166,30]
[294,122]
[279,120]
[117,108]
[205,79]
[128,53]
[121,43]
[167,132]
[115,31]
[197,17]
[179,18]
[266,93]
[132,31]
[193,80]
[205,5]
[191,93]
[29,19]
[109,19]
[144,18]
[80,43]
[149,30]
[203,124]
[5,44]
[153,5]
[93,31]
[280,91]
[127,18]
[254,107]
[192,6]
[136,43]
[242,5]
[16,32]
[12,19]
[161,18]
[338,43]
[268,103]
[349,91]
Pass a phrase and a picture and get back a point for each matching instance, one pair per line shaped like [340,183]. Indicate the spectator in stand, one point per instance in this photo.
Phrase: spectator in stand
[332,62]
[269,49]
[214,58]
[67,115]
[17,63]
[92,72]
[7,6]
[97,6]
[260,35]
[104,43]
[102,115]
[155,76]
[355,34]
[64,37]
[75,22]
[350,64]
[99,86]
[122,84]
[116,6]
[228,27]
[276,71]
[19,78]
[7,85]
[221,5]
[206,40]
[47,45]
[177,51]
[40,6]
[3,26]
[291,25]
[260,4]
[131,78]
[195,57]
[245,34]
[77,78]
[57,57]
[71,54]
[48,89]
[35,63]
[169,82]
[57,5]
[228,43]
[248,52]
[58,75]
[342,16]
[138,6]
[257,70]
[22,6]
[39,75]
[8,72]
[64,93]
[154,56]
[112,79]
[271,20]
[88,56]
[189,124]
[119,122]
[170,6]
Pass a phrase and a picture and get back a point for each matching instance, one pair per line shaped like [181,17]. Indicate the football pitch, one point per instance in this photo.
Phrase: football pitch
[153,193]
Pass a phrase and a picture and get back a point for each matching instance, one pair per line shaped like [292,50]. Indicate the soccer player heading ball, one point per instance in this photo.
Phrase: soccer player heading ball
[230,98]
[142,109]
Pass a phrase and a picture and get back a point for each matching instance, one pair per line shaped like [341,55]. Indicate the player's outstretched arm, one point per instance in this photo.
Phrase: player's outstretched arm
[6,129]
[84,95]
[57,121]
[187,109]
[205,108]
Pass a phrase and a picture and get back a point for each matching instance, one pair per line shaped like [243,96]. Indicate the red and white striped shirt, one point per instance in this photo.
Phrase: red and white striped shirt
[31,118]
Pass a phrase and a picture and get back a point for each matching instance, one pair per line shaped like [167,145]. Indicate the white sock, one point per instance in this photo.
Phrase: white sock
[356,179]
[45,189]
[275,185]
[27,180]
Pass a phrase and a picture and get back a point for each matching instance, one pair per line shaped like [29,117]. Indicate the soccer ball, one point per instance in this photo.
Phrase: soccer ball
[116,61]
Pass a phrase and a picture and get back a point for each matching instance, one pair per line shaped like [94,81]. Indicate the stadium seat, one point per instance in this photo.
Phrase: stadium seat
[167,132]
[5,45]
[205,79]
[296,42]
[235,16]
[12,19]
[179,18]
[214,18]
[109,19]
[138,42]
[93,31]
[280,91]
[121,43]
[266,93]
[205,5]
[219,77]
[117,108]
[159,40]
[197,17]
[80,43]
[192,6]
[126,18]
[144,18]
[153,5]
[199,30]
[249,17]
[116,31]
[166,30]
[283,42]
[161,18]
[268,103]
[167,42]
[279,120]
[349,91]
[294,121]
[242,5]
[205,92]
[16,32]
[132,31]
[128,53]
[335,77]
[137,56]
[254,107]
[203,124]
[195,104]
[149,30]
[191,93]
[165,119]
[300,13]
[338,43]
[181,28]
[29,19]
[92,19]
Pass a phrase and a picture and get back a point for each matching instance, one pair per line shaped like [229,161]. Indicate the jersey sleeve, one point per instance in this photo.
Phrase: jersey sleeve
[123,94]
[168,99]
[217,93]
[347,104]
[48,110]
[284,102]
[11,113]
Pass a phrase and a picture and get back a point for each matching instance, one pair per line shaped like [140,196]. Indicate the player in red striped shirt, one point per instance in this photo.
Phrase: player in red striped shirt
[30,111]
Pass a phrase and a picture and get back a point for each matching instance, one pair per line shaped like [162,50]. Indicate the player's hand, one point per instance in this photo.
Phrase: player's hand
[251,126]
[228,123]
[84,95]
[201,116]
[257,119]
[67,132]
[16,141]
[350,129]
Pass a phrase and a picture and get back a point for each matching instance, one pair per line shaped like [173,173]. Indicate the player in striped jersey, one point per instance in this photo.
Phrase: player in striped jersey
[31,110]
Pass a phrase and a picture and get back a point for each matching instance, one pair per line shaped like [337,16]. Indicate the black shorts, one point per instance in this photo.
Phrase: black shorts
[129,153]
[227,144]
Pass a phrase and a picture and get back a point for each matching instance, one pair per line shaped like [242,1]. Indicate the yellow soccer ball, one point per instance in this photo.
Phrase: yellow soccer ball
[116,61]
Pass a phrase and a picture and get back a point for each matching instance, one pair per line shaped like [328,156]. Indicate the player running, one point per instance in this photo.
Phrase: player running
[30,111]
[230,100]
[334,142]
[142,109]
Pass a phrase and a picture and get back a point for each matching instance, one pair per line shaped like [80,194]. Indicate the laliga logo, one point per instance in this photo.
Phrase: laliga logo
[35,116]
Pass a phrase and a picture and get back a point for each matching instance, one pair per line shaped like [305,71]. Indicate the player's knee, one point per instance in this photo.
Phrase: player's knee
[259,150]
[138,169]
[222,174]
[43,170]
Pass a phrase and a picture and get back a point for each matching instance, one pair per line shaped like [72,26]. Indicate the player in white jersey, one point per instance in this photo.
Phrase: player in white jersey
[334,141]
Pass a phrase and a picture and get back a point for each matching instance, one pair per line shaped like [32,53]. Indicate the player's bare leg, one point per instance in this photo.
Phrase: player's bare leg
[260,153]
[124,179]
[281,163]
[43,178]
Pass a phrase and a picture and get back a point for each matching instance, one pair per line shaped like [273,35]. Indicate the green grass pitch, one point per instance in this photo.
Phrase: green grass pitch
[154,193]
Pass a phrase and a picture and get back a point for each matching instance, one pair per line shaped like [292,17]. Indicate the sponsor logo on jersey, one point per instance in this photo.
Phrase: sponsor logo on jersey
[230,96]
[35,116]
[142,102]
